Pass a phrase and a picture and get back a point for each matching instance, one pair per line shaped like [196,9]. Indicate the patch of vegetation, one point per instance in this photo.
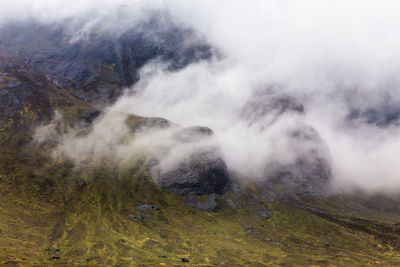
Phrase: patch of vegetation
[68,220]
[54,213]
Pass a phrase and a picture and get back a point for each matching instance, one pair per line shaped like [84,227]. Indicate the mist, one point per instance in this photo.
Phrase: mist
[340,60]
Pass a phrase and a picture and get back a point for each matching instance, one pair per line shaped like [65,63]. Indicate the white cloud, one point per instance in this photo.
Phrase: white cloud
[316,50]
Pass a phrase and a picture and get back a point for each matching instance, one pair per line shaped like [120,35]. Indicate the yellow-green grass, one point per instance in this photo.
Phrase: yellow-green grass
[92,225]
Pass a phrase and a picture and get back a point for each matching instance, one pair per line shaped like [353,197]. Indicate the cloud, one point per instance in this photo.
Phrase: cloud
[333,56]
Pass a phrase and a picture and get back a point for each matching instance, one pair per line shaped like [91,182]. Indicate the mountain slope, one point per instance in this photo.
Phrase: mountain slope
[55,212]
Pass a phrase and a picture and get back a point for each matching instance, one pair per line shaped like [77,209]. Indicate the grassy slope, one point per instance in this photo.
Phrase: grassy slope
[91,225]
[44,206]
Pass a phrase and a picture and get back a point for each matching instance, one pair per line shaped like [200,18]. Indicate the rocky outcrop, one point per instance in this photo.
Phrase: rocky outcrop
[137,123]
[266,107]
[100,64]
[309,169]
[201,171]
[25,92]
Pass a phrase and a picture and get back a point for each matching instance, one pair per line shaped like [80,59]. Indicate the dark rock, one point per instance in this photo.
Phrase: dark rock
[86,119]
[267,106]
[80,183]
[207,204]
[142,209]
[252,231]
[98,65]
[381,116]
[28,92]
[201,173]
[309,171]
[380,108]
[185,260]
[56,254]
[134,217]
[265,214]
[145,207]
[231,203]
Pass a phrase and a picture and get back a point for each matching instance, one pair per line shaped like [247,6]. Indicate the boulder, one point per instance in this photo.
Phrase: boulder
[202,171]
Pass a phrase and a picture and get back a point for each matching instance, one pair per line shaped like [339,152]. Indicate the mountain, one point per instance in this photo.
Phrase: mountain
[98,66]
[118,208]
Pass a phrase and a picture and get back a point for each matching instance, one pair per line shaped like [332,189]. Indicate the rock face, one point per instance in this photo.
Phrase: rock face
[19,86]
[25,92]
[201,171]
[87,118]
[184,160]
[207,203]
[267,107]
[309,169]
[383,113]
[98,65]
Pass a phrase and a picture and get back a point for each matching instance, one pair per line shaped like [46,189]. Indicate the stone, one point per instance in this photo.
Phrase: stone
[200,173]
[134,217]
[207,204]
[144,207]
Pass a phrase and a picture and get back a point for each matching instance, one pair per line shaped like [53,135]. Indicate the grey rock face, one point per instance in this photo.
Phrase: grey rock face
[207,204]
[144,207]
[202,171]
[100,64]
[309,170]
[383,114]
[267,107]
[86,119]
[23,87]
[134,217]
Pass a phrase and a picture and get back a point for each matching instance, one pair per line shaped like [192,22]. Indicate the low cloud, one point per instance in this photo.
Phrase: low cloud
[336,58]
